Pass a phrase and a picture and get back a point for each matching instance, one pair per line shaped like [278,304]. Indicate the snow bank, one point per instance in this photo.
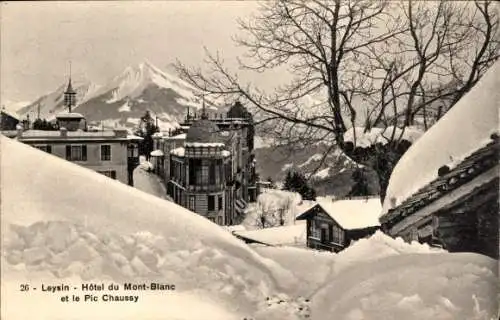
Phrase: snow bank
[311,267]
[464,129]
[61,221]
[383,278]
[292,235]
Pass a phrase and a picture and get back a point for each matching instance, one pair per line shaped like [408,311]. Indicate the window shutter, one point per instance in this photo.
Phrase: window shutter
[84,153]
[68,152]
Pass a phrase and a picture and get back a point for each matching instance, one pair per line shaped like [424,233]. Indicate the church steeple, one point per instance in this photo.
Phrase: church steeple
[69,94]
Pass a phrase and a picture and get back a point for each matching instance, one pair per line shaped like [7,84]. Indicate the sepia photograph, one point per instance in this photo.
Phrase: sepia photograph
[250,160]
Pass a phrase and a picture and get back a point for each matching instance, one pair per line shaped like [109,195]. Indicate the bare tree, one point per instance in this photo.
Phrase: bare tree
[364,63]
[273,213]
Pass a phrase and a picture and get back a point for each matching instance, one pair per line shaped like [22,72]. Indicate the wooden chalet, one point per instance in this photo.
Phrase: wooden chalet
[8,120]
[458,210]
[333,224]
[444,190]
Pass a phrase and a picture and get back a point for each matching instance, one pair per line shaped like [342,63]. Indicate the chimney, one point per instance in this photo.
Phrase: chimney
[64,132]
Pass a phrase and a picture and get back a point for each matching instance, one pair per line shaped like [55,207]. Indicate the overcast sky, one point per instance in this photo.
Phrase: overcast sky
[103,38]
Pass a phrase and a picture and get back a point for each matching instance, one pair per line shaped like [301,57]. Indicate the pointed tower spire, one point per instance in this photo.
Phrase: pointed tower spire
[69,94]
[203,109]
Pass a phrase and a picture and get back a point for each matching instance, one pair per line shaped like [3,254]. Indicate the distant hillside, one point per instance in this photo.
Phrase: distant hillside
[333,177]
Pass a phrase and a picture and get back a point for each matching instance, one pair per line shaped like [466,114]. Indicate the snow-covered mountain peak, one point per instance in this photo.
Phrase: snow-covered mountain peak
[134,79]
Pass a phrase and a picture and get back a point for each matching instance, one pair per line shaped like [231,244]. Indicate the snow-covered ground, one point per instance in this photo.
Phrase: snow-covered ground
[383,278]
[64,224]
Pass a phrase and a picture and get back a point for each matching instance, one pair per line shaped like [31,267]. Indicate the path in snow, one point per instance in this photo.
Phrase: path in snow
[149,182]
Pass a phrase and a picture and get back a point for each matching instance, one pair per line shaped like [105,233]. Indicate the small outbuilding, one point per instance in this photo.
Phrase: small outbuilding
[333,224]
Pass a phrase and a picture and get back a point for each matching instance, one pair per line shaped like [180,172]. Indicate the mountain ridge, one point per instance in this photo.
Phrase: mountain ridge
[126,97]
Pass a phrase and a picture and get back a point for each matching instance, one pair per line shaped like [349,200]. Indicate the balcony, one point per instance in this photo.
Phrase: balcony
[205,188]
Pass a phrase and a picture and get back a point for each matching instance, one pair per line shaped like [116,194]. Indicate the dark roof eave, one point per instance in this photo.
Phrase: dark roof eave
[307,213]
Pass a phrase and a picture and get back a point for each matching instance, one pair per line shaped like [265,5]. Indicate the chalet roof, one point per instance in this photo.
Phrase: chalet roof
[349,214]
[472,170]
[203,131]
[10,113]
[284,235]
[464,129]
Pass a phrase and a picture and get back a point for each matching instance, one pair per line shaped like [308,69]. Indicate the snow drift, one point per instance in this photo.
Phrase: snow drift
[63,221]
[401,284]
[385,278]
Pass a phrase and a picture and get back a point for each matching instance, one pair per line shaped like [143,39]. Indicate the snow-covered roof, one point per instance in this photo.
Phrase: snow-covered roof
[69,115]
[462,130]
[157,153]
[225,153]
[351,214]
[303,206]
[10,113]
[181,136]
[178,152]
[204,144]
[33,135]
[134,137]
[381,135]
[276,236]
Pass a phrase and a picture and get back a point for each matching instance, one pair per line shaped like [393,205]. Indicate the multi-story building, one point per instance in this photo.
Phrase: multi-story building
[113,153]
[208,164]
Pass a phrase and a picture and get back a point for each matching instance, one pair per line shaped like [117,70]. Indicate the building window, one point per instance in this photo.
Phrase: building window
[106,152]
[211,203]
[109,173]
[76,153]
[192,203]
[45,148]
[220,202]
[337,235]
[211,173]
[315,230]
[203,178]
[194,171]
[219,220]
